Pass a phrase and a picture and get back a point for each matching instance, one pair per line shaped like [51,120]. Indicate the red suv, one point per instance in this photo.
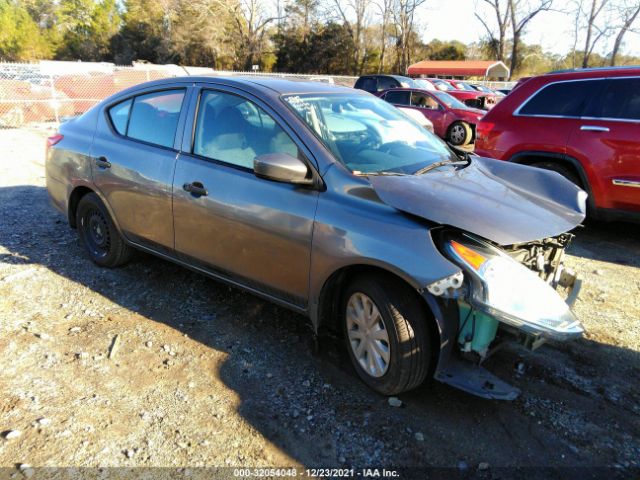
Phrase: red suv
[583,124]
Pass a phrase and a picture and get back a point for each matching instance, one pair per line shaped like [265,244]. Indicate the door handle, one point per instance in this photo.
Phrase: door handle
[593,128]
[196,189]
[102,162]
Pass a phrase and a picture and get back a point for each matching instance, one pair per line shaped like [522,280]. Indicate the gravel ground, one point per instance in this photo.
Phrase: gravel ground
[152,365]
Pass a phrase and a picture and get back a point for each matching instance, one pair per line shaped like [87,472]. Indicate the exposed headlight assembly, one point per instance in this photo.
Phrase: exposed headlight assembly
[510,292]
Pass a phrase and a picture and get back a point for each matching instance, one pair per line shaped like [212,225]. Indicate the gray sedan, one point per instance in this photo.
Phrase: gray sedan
[330,202]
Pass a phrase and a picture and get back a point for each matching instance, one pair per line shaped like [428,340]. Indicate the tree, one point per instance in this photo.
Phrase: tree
[251,20]
[20,36]
[384,7]
[594,32]
[146,33]
[302,15]
[439,50]
[497,42]
[520,17]
[403,13]
[200,35]
[629,14]
[87,27]
[353,16]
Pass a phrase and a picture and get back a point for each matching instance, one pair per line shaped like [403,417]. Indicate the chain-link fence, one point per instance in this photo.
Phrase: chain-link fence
[51,91]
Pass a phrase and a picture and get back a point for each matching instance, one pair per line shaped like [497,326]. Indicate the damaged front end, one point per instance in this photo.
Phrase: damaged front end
[503,293]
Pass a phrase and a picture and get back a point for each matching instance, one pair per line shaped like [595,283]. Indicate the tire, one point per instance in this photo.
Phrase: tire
[99,235]
[565,172]
[459,134]
[404,322]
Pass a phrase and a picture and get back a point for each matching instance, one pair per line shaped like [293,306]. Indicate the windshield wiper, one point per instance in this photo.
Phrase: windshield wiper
[383,173]
[428,168]
[462,157]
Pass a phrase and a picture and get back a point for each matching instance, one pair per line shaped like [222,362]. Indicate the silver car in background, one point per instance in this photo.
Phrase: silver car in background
[330,202]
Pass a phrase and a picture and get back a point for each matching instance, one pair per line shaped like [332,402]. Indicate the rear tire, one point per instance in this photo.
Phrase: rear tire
[459,134]
[386,332]
[99,235]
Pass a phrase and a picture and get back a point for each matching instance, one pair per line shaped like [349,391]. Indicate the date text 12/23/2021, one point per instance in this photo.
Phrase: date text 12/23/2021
[315,472]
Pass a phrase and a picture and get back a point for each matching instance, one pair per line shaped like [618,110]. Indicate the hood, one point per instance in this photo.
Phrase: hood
[500,201]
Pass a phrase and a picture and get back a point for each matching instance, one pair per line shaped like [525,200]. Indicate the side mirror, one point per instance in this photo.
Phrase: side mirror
[282,167]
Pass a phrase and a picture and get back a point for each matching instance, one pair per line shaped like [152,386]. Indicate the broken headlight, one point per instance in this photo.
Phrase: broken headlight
[510,292]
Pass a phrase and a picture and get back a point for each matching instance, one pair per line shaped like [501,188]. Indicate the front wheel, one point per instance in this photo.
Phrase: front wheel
[387,335]
[99,235]
[459,134]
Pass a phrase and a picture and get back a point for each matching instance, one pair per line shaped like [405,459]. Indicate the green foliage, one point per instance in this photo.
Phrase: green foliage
[87,28]
[308,37]
[324,49]
[20,36]
[439,50]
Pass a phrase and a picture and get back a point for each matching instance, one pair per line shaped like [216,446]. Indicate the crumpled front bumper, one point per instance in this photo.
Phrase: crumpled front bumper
[476,380]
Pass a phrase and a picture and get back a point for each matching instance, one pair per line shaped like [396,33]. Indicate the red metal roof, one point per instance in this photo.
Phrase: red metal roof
[462,68]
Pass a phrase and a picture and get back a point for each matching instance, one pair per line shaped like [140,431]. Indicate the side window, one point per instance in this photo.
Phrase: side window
[621,99]
[368,84]
[398,97]
[567,99]
[422,100]
[234,130]
[385,83]
[154,117]
[119,114]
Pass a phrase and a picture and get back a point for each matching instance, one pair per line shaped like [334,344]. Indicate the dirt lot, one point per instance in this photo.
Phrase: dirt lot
[206,375]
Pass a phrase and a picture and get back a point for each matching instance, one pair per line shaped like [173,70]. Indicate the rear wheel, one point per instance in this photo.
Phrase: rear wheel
[459,134]
[386,333]
[99,235]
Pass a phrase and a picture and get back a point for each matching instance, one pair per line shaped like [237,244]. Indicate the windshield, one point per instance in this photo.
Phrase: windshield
[426,85]
[466,86]
[442,85]
[448,100]
[368,135]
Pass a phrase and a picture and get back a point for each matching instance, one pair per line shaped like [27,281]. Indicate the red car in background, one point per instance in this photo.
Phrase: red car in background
[471,98]
[452,120]
[583,124]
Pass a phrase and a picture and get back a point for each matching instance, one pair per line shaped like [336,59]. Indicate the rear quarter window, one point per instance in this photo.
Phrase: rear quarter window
[368,84]
[119,115]
[563,99]
[385,83]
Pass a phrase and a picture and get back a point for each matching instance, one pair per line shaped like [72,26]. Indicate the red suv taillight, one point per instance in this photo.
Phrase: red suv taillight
[53,139]
[483,129]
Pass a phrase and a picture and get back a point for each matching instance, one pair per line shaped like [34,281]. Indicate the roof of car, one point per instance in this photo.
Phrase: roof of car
[596,72]
[397,77]
[277,85]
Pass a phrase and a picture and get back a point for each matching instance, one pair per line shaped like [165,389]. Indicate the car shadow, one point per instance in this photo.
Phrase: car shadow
[313,407]
[613,242]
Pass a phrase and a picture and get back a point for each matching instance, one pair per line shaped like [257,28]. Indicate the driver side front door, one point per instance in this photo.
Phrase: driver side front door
[248,230]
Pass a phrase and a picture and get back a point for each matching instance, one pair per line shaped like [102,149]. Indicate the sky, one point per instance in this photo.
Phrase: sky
[455,20]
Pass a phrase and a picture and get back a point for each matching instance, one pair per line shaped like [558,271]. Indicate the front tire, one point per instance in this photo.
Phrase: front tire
[386,332]
[459,134]
[99,235]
